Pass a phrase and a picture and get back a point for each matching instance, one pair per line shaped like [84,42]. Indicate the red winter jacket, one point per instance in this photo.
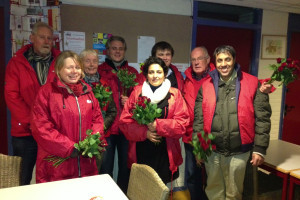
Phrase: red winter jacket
[60,119]
[105,71]
[190,91]
[171,128]
[21,87]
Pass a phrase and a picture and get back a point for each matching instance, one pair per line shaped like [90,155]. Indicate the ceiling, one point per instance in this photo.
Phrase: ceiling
[291,6]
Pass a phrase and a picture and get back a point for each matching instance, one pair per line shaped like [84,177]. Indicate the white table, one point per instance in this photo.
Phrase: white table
[86,188]
[282,158]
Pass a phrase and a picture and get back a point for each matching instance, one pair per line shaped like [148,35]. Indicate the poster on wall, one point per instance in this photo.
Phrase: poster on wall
[145,44]
[74,41]
[99,41]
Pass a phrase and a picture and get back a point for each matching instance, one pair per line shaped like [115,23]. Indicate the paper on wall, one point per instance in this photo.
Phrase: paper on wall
[74,41]
[145,44]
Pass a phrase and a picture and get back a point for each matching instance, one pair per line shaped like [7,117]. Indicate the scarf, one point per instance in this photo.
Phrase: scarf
[42,65]
[159,94]
[89,79]
[77,88]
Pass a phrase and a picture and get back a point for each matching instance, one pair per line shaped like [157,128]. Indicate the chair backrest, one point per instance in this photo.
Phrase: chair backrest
[144,183]
[10,171]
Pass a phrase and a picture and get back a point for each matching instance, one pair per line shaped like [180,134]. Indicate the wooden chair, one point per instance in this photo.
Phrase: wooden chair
[144,183]
[10,171]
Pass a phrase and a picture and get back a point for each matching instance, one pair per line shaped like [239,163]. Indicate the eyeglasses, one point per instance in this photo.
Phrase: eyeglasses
[116,48]
[91,62]
[199,58]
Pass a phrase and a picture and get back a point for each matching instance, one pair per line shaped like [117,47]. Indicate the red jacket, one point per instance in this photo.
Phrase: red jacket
[59,119]
[246,92]
[178,75]
[105,71]
[21,87]
[190,91]
[171,128]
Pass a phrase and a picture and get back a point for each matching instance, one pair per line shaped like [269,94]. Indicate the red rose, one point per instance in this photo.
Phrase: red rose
[288,60]
[204,145]
[213,146]
[280,69]
[278,60]
[283,64]
[290,65]
[94,84]
[144,106]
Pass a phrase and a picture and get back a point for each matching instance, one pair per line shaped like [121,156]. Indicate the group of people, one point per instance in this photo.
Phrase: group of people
[49,94]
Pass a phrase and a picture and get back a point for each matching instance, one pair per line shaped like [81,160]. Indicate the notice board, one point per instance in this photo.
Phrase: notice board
[175,29]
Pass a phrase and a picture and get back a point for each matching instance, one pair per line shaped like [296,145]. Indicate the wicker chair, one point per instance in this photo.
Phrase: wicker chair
[10,171]
[144,183]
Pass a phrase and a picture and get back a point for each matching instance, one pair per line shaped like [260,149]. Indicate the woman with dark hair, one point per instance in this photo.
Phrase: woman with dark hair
[62,113]
[156,144]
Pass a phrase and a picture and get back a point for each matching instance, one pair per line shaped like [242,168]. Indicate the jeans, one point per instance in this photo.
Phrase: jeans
[26,148]
[119,142]
[193,175]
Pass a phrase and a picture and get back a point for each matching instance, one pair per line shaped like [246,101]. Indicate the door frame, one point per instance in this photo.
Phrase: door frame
[255,27]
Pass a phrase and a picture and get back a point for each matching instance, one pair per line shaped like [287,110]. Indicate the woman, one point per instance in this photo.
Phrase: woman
[156,144]
[89,58]
[63,110]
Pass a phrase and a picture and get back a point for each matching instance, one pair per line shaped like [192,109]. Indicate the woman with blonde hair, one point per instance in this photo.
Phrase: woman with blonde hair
[62,113]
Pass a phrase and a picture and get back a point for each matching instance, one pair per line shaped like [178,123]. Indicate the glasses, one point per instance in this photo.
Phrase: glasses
[116,48]
[91,62]
[199,58]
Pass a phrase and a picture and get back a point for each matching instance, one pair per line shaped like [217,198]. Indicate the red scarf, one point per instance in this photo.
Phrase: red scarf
[76,88]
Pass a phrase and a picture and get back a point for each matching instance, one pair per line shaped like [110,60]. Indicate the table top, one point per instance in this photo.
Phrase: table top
[283,156]
[295,174]
[98,187]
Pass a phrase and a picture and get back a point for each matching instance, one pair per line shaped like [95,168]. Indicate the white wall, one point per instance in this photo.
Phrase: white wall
[177,7]
[274,23]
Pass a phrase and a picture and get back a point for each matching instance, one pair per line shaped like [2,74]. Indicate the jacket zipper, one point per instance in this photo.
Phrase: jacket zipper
[78,160]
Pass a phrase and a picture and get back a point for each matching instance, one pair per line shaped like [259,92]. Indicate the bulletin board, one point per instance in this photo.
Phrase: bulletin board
[175,29]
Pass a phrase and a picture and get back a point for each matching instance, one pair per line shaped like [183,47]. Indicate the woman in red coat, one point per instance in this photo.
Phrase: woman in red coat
[156,144]
[63,110]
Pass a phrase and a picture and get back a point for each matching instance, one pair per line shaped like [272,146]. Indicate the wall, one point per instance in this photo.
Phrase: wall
[175,29]
[177,7]
[274,23]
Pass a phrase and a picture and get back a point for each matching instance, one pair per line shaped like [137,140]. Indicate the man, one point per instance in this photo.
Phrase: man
[30,68]
[195,75]
[230,105]
[116,48]
[165,51]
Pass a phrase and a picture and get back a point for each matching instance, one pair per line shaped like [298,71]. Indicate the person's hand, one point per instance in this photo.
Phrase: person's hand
[199,162]
[265,88]
[153,137]
[152,126]
[123,99]
[257,159]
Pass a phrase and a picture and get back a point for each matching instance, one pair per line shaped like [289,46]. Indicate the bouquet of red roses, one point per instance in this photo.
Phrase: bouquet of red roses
[91,146]
[202,145]
[126,78]
[145,112]
[285,71]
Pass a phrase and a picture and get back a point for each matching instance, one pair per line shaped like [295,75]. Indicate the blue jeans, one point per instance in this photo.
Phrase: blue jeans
[193,175]
[26,148]
[107,166]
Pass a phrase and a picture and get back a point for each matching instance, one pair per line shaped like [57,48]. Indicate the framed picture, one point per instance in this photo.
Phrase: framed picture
[273,46]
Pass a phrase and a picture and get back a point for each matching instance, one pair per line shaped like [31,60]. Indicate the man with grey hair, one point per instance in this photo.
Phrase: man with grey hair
[30,68]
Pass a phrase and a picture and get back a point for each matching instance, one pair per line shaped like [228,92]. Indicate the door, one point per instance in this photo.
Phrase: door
[240,39]
[291,120]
